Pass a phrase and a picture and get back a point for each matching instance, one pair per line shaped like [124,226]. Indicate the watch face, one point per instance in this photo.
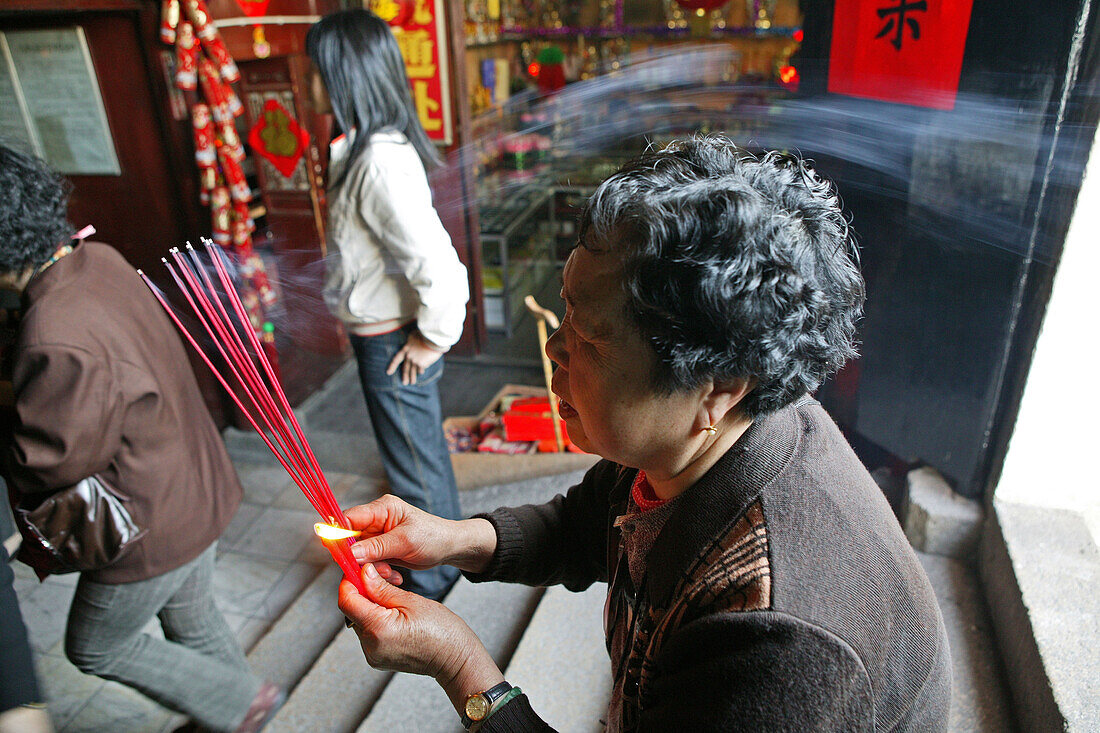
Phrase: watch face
[477,707]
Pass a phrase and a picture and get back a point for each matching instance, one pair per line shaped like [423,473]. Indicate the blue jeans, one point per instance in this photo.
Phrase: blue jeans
[197,669]
[408,425]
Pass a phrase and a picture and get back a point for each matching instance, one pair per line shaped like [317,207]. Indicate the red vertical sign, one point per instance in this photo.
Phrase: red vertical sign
[421,33]
[907,51]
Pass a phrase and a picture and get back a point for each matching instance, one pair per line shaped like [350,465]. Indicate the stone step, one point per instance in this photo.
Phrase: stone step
[980,701]
[498,613]
[301,634]
[332,688]
[528,491]
[336,694]
[310,653]
[561,662]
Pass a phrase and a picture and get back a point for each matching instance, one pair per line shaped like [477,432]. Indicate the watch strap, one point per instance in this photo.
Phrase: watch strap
[496,706]
[491,695]
[507,698]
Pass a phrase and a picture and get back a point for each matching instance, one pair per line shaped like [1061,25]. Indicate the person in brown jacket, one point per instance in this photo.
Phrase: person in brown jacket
[102,386]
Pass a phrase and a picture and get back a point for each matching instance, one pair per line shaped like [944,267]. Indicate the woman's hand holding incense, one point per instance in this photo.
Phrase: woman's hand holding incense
[404,632]
[396,532]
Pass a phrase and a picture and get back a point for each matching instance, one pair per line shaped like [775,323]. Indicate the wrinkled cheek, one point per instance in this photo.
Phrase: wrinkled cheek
[596,434]
[581,425]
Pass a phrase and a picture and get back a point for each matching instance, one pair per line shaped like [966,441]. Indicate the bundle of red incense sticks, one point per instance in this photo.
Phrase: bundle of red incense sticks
[264,404]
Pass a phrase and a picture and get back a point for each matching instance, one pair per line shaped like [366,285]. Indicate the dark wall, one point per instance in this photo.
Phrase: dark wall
[961,215]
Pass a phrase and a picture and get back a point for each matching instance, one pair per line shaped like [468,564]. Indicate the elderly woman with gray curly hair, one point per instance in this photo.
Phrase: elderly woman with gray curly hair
[757,578]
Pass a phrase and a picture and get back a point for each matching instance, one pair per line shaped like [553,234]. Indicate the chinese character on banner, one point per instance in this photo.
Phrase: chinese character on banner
[907,51]
[419,28]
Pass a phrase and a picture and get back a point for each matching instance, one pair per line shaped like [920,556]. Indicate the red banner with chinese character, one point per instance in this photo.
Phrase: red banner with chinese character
[907,51]
[421,33]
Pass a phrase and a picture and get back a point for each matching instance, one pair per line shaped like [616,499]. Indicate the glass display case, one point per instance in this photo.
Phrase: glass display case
[517,252]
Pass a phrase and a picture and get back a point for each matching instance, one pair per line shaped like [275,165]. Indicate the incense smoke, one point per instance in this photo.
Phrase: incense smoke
[965,177]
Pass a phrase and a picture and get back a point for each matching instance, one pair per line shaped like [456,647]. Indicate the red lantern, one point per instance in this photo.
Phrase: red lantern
[701,4]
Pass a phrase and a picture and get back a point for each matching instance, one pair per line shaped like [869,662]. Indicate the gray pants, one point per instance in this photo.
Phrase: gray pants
[198,669]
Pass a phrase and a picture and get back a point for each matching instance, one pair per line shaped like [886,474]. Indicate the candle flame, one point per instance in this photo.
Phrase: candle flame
[332,532]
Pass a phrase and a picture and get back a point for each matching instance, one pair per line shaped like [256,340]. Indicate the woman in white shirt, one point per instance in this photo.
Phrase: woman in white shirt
[393,277]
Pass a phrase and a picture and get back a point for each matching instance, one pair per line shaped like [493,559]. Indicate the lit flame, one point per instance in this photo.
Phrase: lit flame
[332,532]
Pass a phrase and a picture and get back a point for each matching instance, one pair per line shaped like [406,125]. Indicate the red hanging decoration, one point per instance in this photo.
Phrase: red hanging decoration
[253,8]
[278,138]
[169,20]
[204,63]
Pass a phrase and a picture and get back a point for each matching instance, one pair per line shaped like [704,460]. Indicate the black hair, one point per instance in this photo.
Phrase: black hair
[364,73]
[734,266]
[33,211]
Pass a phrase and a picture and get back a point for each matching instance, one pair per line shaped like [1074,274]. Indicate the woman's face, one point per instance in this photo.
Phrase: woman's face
[604,374]
[318,93]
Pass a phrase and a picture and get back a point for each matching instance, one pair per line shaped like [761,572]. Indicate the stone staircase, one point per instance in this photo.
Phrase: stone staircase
[548,641]
[278,588]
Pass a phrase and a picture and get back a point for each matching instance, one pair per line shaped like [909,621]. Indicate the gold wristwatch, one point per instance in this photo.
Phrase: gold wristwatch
[480,704]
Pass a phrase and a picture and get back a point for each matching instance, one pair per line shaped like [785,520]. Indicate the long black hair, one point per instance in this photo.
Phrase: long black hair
[364,73]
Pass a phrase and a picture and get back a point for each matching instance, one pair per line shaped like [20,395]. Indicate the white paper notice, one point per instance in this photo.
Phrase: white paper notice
[14,126]
[54,72]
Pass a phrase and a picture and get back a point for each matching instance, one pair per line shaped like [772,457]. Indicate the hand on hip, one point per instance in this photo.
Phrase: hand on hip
[414,357]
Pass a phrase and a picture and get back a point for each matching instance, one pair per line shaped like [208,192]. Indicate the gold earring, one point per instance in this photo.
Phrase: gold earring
[710,429]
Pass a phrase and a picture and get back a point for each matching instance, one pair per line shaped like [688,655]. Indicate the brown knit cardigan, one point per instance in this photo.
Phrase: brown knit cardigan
[780,594]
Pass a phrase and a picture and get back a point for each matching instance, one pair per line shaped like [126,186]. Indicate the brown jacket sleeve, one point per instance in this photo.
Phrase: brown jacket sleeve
[563,541]
[757,671]
[69,418]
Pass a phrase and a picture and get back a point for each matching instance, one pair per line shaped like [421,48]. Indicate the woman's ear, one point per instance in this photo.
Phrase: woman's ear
[723,399]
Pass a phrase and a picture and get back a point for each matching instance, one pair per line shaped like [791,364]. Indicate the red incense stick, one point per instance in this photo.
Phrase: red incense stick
[313,480]
[256,396]
[268,410]
[228,337]
[223,276]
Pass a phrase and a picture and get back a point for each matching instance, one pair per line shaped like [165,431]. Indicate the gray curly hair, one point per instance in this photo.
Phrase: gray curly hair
[735,266]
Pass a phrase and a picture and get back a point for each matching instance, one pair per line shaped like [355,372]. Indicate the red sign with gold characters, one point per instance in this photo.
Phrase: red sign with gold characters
[907,51]
[278,138]
[421,33]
